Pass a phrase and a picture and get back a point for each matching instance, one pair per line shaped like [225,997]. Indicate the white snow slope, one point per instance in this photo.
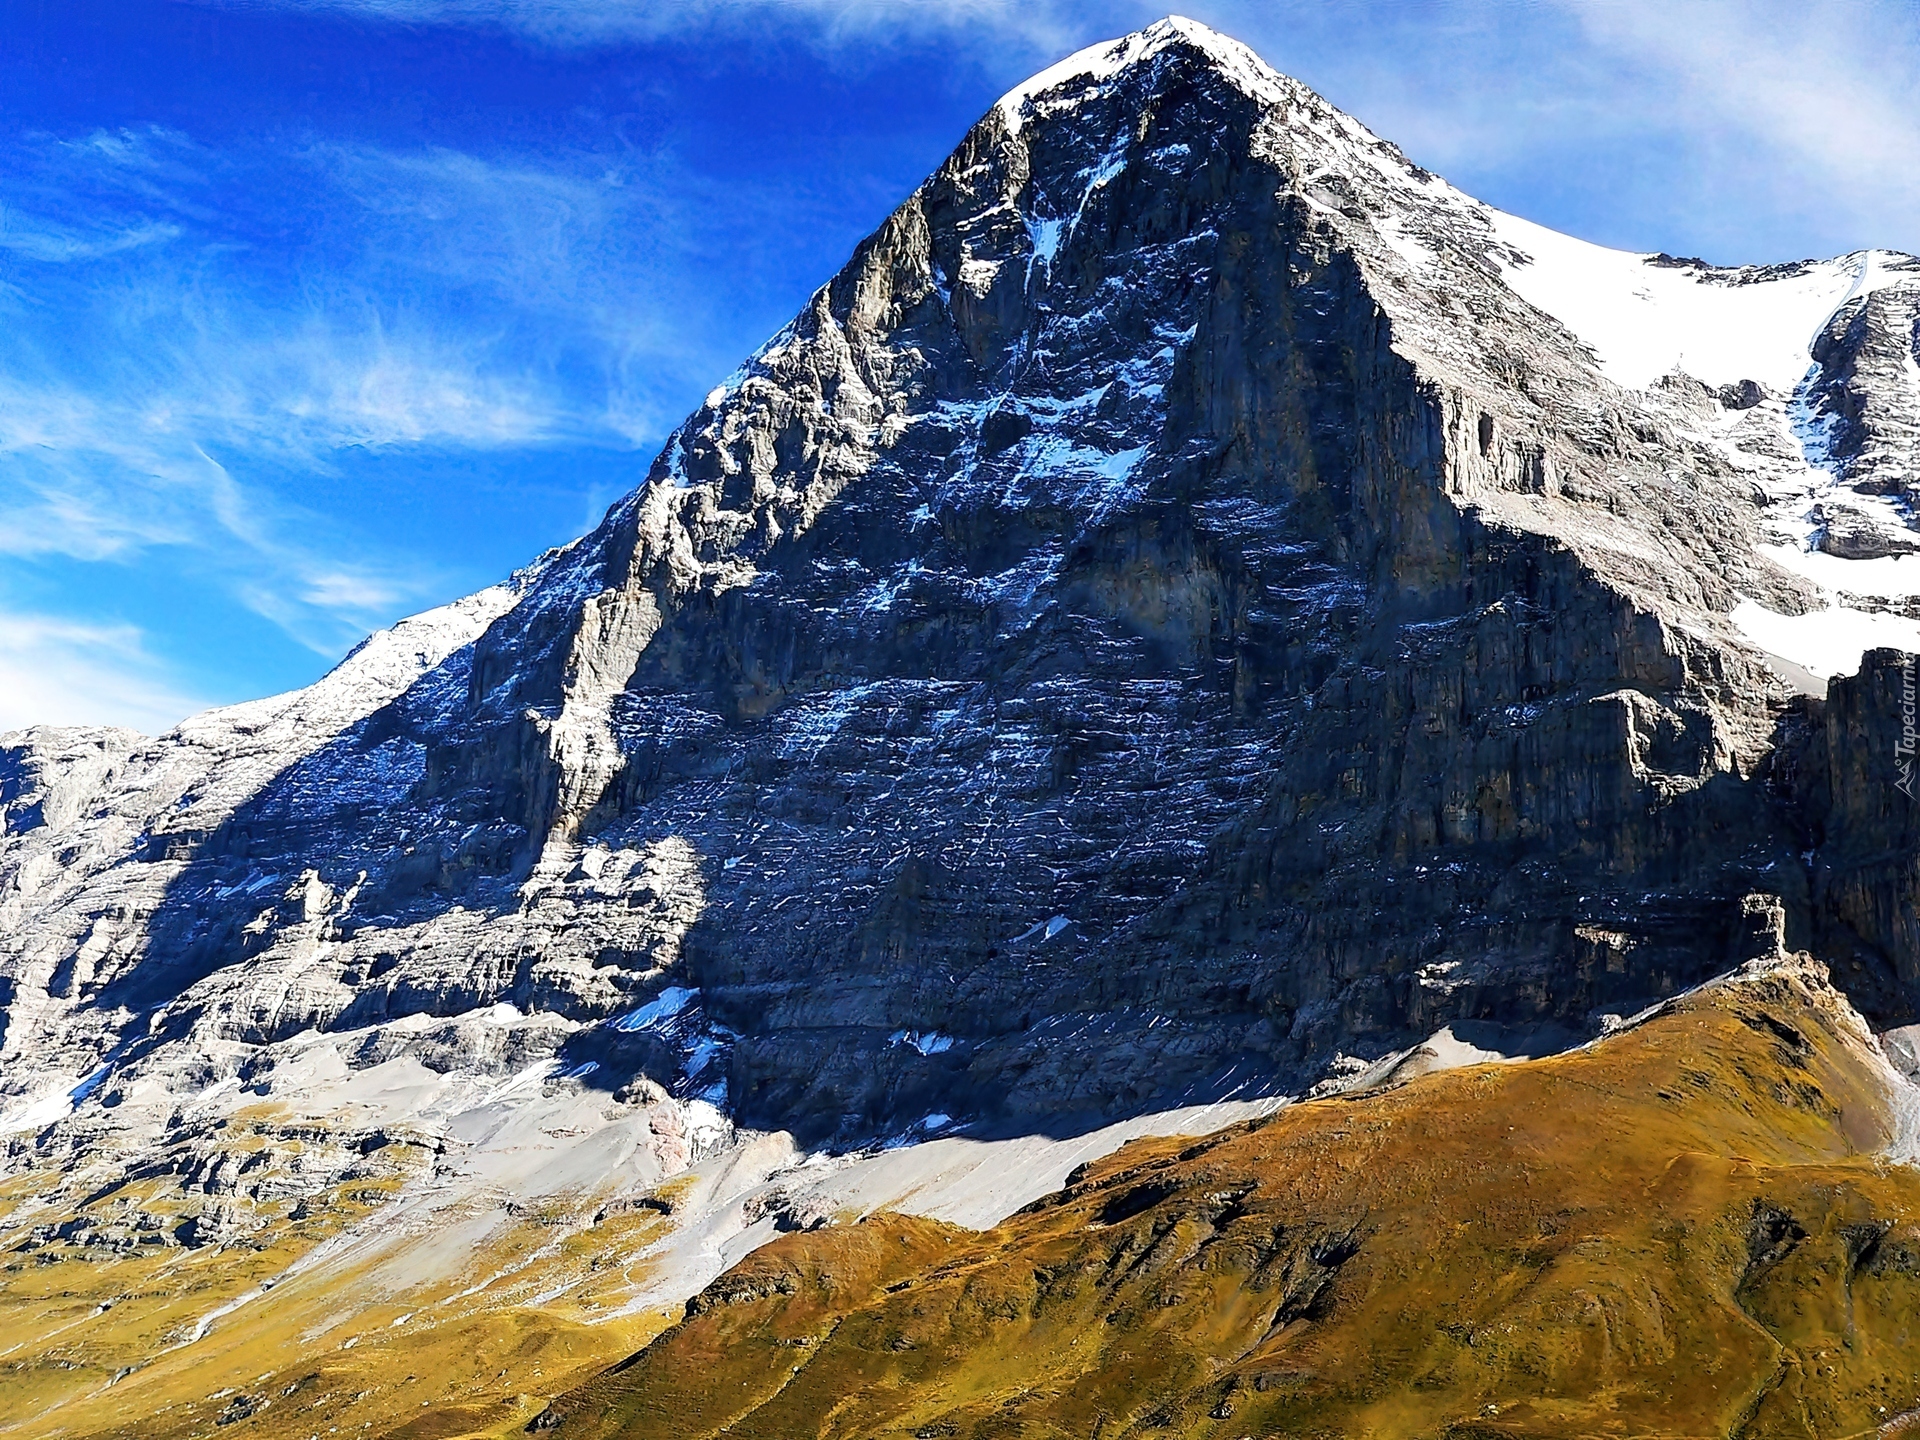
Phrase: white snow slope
[1648,317]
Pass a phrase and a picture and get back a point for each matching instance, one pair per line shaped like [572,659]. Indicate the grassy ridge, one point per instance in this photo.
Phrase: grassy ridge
[1682,1231]
[335,1334]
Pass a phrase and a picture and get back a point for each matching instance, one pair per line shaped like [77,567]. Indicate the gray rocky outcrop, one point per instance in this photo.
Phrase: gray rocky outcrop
[1862,421]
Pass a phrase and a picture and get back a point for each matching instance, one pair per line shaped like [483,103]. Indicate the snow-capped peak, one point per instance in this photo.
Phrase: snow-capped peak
[1100,63]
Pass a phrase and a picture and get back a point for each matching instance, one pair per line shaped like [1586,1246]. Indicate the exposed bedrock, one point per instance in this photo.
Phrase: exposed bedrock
[1868,356]
[1859,781]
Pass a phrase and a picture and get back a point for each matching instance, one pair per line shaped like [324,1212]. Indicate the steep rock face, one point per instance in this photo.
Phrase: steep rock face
[1148,615]
[1865,867]
[1170,616]
[1862,412]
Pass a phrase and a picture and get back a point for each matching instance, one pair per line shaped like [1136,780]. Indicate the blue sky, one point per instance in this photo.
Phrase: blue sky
[316,313]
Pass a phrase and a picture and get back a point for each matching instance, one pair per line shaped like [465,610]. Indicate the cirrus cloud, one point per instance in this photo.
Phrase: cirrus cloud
[63,672]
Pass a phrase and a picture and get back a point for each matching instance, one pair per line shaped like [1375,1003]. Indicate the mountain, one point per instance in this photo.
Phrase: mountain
[1197,613]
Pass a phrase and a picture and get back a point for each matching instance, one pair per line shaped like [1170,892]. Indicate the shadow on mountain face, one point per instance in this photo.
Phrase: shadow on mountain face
[353,818]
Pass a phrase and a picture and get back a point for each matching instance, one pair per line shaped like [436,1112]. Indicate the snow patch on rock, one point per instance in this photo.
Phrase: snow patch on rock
[1826,642]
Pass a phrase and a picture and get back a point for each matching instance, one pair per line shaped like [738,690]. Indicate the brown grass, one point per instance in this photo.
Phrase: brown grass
[319,1354]
[1683,1231]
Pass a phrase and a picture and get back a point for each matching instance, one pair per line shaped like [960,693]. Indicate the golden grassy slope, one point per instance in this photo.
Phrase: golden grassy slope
[342,1342]
[1682,1231]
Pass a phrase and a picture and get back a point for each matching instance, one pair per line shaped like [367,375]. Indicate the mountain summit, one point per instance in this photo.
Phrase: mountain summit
[1197,611]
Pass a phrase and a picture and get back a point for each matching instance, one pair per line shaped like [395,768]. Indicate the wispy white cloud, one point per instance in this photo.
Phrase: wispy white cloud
[1037,23]
[56,245]
[1809,103]
[123,375]
[592,275]
[107,483]
[63,672]
[324,386]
